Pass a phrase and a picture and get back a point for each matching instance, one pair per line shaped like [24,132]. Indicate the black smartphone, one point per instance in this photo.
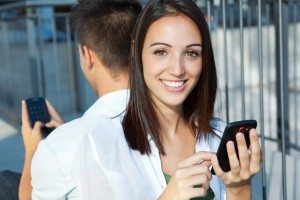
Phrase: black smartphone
[37,111]
[229,135]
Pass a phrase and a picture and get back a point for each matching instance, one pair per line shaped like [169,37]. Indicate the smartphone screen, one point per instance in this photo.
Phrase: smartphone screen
[37,111]
[229,135]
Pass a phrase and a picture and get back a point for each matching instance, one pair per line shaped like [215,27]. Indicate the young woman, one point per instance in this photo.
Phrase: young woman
[164,149]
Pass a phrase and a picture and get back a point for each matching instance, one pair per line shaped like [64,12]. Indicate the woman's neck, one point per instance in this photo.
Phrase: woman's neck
[170,119]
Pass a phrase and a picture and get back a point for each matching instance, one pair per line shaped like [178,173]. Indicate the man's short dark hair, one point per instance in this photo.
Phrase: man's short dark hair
[105,26]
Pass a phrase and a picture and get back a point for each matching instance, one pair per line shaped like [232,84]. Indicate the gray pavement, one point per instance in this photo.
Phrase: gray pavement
[11,148]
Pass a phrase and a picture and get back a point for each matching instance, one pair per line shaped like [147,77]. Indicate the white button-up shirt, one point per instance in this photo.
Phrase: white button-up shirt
[52,162]
[106,168]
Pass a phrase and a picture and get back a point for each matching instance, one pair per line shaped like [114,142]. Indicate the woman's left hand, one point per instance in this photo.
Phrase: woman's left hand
[244,168]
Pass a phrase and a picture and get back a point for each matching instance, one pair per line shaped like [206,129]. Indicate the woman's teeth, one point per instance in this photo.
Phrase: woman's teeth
[174,84]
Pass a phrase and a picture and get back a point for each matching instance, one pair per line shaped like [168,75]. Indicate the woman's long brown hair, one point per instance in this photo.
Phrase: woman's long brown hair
[141,121]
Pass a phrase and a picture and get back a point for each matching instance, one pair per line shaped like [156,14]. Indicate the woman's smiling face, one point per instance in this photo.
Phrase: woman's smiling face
[172,59]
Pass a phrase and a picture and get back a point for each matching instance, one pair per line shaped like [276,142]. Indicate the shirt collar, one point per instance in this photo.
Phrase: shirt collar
[111,104]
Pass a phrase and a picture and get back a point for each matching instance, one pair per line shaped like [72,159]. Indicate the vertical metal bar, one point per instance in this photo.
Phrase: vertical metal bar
[282,101]
[7,55]
[225,59]
[39,56]
[35,71]
[209,14]
[10,72]
[7,61]
[71,65]
[13,46]
[231,16]
[242,59]
[268,63]
[22,61]
[3,61]
[16,79]
[250,47]
[55,49]
[261,97]
[295,70]
[230,25]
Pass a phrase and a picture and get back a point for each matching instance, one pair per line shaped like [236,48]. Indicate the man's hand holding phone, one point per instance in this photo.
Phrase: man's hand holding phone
[32,128]
[33,135]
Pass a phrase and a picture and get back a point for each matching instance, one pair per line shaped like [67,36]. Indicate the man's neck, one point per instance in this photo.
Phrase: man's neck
[113,85]
[104,92]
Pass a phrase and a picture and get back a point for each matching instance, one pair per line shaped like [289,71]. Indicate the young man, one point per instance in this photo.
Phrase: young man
[103,31]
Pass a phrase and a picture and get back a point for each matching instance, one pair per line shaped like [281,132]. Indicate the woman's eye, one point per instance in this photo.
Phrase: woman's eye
[160,52]
[192,53]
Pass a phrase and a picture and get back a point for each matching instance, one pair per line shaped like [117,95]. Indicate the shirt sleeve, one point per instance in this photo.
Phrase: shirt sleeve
[218,127]
[88,174]
[48,181]
[222,190]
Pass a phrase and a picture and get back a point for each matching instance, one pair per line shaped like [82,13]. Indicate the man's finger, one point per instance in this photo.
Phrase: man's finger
[53,124]
[24,115]
[37,127]
[53,113]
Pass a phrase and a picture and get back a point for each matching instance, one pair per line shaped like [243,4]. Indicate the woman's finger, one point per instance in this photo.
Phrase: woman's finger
[207,163]
[244,158]
[233,159]
[192,171]
[195,192]
[197,180]
[255,158]
[218,170]
[205,185]
[195,159]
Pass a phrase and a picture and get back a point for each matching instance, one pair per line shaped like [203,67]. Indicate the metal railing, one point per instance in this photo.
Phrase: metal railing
[39,58]
[256,46]
[34,4]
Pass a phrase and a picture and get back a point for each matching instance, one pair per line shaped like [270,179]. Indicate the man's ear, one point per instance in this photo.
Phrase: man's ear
[88,57]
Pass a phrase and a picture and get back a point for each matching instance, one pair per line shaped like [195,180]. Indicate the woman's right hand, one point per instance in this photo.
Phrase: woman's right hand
[192,171]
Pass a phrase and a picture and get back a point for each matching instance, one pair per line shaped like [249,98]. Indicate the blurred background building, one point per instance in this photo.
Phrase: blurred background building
[256,45]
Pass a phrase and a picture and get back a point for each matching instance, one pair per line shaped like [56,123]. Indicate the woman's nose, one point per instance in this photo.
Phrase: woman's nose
[176,66]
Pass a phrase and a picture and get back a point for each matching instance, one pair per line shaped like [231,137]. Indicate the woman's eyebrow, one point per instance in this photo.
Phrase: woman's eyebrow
[160,43]
[196,44]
